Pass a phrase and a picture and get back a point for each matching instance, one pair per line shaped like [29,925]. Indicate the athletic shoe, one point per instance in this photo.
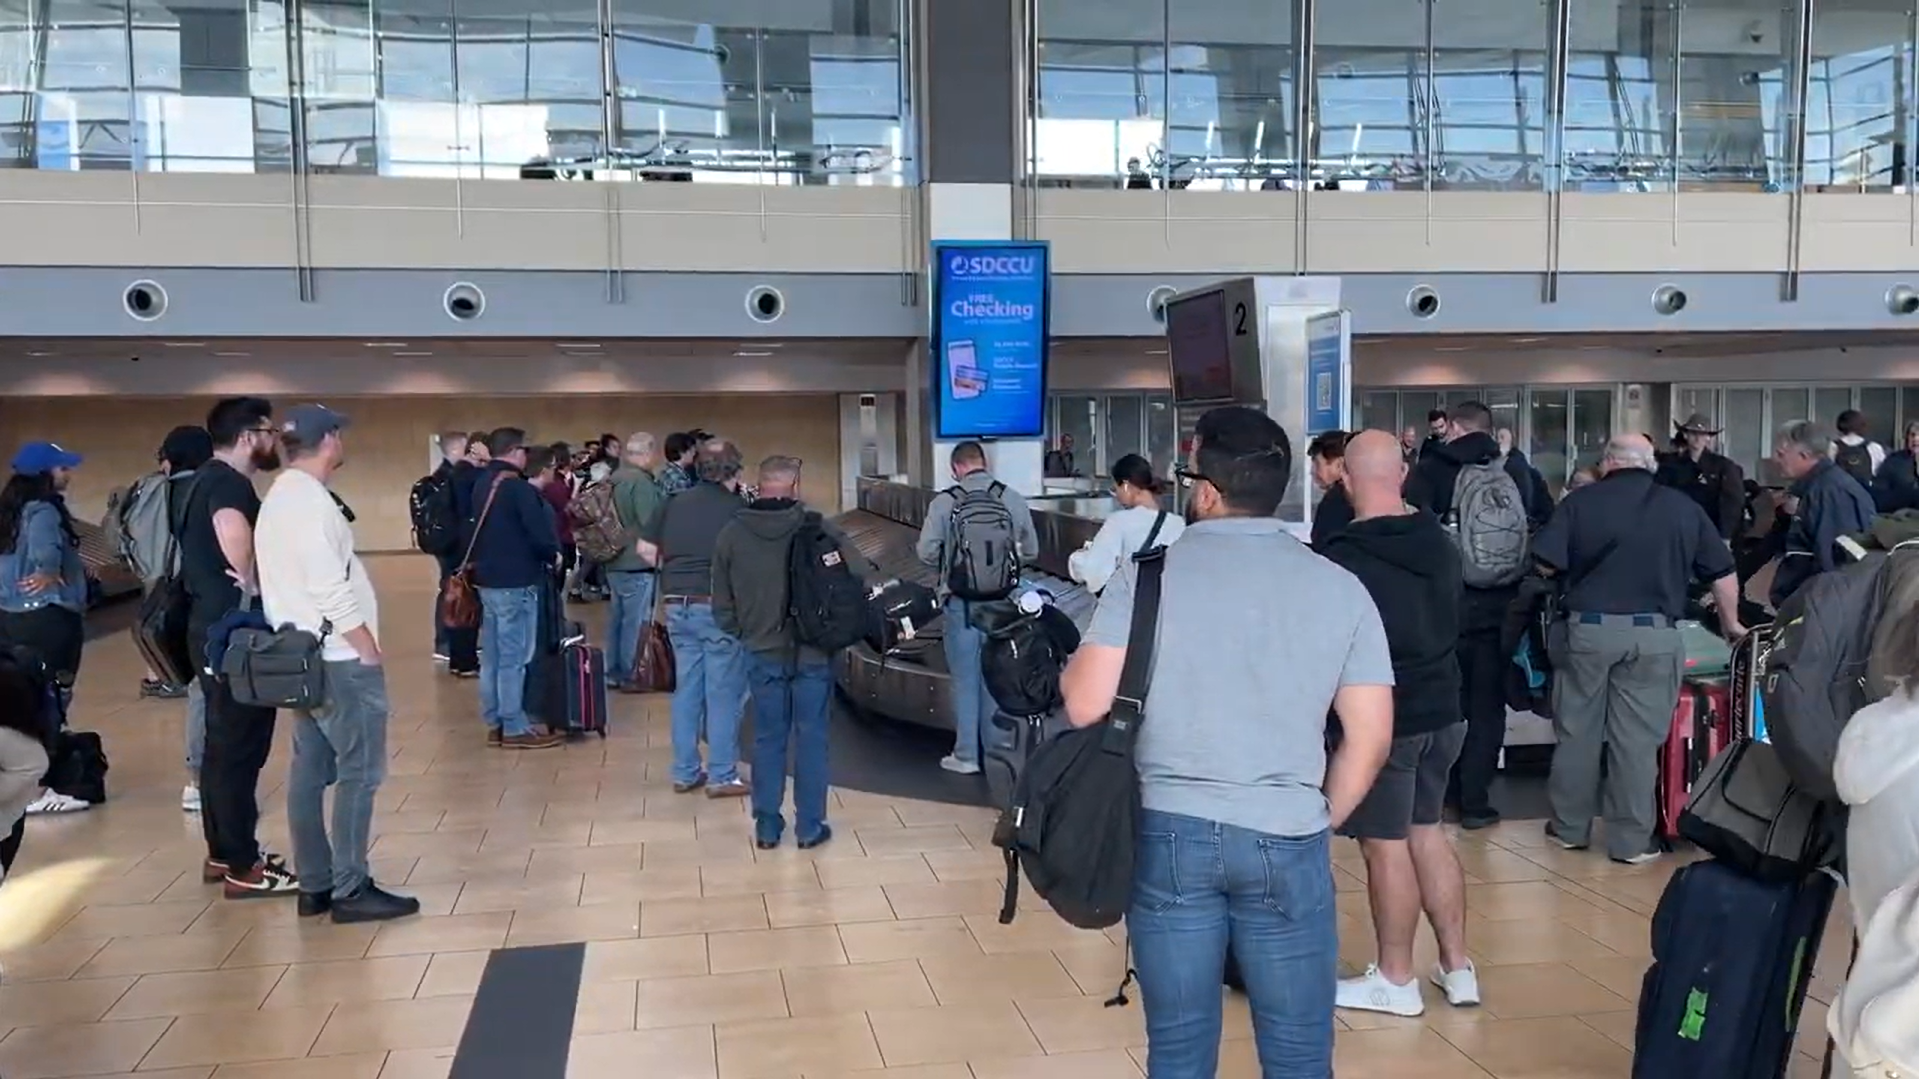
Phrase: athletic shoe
[213,871]
[314,904]
[52,801]
[270,877]
[190,798]
[530,740]
[1460,986]
[731,788]
[442,657]
[690,785]
[373,904]
[1644,857]
[1552,833]
[1371,992]
[959,767]
[158,690]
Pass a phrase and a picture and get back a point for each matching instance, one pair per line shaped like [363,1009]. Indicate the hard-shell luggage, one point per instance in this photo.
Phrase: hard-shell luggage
[581,693]
[1732,958]
[1701,727]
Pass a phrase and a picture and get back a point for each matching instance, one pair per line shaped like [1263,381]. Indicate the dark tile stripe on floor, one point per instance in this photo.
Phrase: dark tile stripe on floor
[522,1017]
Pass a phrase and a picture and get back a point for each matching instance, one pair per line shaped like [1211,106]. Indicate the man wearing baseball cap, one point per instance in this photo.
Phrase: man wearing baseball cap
[1714,481]
[311,578]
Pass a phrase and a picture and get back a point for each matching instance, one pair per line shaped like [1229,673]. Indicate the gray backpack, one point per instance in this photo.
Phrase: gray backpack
[982,555]
[1488,522]
[141,532]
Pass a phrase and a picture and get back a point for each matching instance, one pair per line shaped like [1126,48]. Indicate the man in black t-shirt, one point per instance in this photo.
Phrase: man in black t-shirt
[216,560]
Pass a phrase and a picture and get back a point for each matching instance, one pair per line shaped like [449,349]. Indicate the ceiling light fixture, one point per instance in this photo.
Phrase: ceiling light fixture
[386,344]
[413,353]
[184,344]
[756,352]
[577,344]
[233,355]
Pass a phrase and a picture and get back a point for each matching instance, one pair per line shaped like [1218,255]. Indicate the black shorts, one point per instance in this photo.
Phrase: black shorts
[1411,788]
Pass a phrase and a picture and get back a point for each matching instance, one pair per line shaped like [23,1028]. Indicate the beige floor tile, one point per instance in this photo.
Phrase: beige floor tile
[1621,1027]
[1028,933]
[678,1053]
[776,1048]
[40,1004]
[1623,975]
[452,933]
[528,892]
[967,864]
[922,938]
[164,1073]
[239,1038]
[1545,940]
[352,1066]
[645,959]
[78,1049]
[133,919]
[709,999]
[162,955]
[757,878]
[860,987]
[605,1008]
[1401,1054]
[1098,966]
[860,872]
[918,1071]
[775,949]
[451,974]
[430,1023]
[316,985]
[882,842]
[1542,990]
[54,959]
[434,1063]
[700,852]
[1100,1064]
[1082,1024]
[942,898]
[828,906]
[1559,1048]
[242,989]
[642,885]
[955,1033]
[1523,901]
[989,979]
[671,917]
[560,925]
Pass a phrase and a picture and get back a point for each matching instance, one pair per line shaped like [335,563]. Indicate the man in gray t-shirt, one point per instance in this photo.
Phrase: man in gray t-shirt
[1258,640]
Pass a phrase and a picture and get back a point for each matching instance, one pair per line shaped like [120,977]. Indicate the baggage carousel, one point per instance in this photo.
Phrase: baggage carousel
[910,684]
[109,578]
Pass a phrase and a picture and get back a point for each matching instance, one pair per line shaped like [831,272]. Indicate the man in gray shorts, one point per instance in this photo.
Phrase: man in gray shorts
[1411,568]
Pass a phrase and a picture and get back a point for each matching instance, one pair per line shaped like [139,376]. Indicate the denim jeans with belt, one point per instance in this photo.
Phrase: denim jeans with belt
[1200,887]
[632,606]
[341,744]
[790,703]
[509,621]
[709,693]
[972,705]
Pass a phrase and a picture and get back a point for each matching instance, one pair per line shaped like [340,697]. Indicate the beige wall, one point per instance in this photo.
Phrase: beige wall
[390,435]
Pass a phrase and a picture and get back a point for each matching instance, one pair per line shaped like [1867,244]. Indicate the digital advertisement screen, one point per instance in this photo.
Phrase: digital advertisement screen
[990,339]
[1200,348]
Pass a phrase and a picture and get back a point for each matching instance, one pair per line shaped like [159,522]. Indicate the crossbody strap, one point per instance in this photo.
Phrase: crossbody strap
[1142,640]
[486,508]
[1152,537]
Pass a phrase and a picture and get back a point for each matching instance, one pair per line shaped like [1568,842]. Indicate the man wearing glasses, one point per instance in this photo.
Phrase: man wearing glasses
[215,521]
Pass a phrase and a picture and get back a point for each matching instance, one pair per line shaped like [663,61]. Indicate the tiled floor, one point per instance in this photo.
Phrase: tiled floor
[707,960]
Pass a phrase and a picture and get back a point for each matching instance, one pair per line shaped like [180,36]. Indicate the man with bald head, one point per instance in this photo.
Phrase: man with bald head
[1403,557]
[1624,548]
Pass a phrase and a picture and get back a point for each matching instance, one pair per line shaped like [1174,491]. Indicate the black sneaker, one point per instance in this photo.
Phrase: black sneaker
[314,904]
[372,904]
[270,877]
[1473,822]
[158,690]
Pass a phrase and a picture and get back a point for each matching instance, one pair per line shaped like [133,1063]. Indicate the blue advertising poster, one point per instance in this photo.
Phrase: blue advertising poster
[989,338]
[1326,371]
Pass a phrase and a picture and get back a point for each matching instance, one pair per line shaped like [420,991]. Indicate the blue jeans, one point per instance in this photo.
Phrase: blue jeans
[341,744]
[1200,886]
[972,705]
[789,705]
[632,606]
[508,623]
[709,694]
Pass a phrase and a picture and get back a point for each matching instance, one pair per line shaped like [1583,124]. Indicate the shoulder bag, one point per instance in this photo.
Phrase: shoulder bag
[460,604]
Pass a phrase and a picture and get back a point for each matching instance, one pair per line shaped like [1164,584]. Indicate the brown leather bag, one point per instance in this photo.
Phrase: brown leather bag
[460,603]
[653,664]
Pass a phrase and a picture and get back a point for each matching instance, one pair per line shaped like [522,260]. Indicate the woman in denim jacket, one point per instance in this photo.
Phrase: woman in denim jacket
[43,584]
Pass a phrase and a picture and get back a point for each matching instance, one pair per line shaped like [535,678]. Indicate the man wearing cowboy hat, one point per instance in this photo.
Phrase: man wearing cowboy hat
[1713,480]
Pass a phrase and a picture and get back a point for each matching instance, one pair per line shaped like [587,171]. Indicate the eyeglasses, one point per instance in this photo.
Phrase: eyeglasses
[1187,477]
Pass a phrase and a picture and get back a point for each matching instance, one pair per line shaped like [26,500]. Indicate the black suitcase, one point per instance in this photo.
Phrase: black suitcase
[579,693]
[160,631]
[1732,958]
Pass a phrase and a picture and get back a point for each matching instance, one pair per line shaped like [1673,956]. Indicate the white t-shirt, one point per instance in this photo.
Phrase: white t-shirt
[1118,539]
[309,573]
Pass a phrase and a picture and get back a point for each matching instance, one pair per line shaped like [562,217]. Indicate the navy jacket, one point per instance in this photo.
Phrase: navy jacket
[1831,504]
[518,541]
[1896,487]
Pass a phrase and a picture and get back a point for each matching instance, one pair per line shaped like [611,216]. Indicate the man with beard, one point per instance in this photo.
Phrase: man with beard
[217,514]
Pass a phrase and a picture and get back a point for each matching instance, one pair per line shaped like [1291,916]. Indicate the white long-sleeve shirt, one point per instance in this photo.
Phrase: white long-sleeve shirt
[309,573]
[1121,537]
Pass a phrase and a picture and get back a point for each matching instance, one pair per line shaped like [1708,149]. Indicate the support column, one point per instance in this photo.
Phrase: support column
[972,111]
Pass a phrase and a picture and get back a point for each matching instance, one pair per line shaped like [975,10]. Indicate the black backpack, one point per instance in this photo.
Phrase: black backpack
[824,597]
[436,527]
[1816,673]
[1856,461]
[1024,655]
[1072,826]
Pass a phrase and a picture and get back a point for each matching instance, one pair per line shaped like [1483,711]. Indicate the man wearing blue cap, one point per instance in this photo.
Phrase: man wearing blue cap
[43,584]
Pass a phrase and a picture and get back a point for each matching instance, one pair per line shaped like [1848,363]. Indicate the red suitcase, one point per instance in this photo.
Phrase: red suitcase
[1701,727]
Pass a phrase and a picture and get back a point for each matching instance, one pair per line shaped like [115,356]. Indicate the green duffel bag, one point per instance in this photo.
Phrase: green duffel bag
[1707,653]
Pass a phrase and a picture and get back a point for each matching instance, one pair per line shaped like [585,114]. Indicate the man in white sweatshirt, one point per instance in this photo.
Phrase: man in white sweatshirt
[311,578]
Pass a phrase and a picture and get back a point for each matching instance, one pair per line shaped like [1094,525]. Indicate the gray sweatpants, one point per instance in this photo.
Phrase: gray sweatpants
[1614,688]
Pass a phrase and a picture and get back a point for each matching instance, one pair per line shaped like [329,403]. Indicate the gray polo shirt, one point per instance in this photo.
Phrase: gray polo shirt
[1256,634]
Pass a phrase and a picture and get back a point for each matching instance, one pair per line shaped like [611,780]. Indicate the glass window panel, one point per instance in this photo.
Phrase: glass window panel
[1379,410]
[1413,407]
[1231,95]
[529,87]
[72,108]
[1458,397]
[1162,433]
[1829,401]
[1592,426]
[1789,403]
[1124,417]
[1745,438]
[1547,441]
[1503,402]
[1688,400]
[1881,406]
[1908,404]
[1859,117]
[1619,97]
[1371,131]
[1100,108]
[1079,421]
[1735,95]
[1489,95]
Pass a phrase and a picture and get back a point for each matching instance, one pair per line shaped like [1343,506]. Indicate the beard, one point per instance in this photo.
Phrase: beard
[266,458]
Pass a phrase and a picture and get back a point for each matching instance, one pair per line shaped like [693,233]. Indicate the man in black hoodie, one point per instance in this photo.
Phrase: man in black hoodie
[1482,665]
[791,682]
[1403,557]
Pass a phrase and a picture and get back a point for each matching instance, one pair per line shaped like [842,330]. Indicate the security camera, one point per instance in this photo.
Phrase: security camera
[464,301]
[765,304]
[1668,299]
[1157,299]
[1423,301]
[144,300]
[1902,300]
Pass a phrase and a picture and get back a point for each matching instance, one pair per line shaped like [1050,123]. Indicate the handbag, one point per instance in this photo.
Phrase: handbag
[460,601]
[1746,811]
[276,668]
[654,669]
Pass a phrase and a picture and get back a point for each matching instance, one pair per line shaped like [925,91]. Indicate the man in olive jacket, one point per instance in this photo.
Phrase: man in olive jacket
[637,498]
[792,683]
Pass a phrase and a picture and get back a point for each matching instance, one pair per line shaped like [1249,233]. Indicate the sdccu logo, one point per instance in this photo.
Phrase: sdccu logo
[972,265]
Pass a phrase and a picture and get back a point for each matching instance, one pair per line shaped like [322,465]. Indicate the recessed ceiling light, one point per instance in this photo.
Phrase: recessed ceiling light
[40,354]
[1527,340]
[577,344]
[413,353]
[1450,348]
[1156,352]
[757,352]
[233,355]
[386,344]
[184,344]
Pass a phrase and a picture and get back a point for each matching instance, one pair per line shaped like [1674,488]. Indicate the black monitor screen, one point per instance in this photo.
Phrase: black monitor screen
[1200,348]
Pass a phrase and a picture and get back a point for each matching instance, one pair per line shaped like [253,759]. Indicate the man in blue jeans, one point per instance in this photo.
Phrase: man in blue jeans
[516,546]
[791,682]
[709,665]
[1238,798]
[972,705]
[637,499]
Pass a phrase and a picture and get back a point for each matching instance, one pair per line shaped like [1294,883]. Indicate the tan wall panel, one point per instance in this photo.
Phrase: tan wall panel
[1859,232]
[389,437]
[1452,231]
[1150,232]
[1636,233]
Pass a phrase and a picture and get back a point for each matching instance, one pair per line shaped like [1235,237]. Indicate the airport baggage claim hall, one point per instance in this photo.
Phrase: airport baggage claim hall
[856,232]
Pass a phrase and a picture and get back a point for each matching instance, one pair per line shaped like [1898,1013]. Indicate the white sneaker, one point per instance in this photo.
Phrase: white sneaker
[190,799]
[957,766]
[52,801]
[1461,986]
[1371,992]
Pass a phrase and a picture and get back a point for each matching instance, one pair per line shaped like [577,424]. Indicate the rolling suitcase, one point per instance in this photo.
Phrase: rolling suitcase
[579,695]
[1701,727]
[1732,958]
